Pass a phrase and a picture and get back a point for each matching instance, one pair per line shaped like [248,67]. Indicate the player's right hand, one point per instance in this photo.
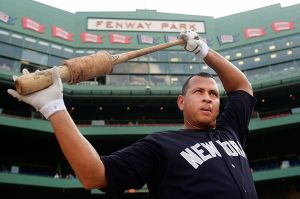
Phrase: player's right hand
[48,100]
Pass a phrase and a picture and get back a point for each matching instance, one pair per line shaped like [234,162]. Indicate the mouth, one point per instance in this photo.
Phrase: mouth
[206,109]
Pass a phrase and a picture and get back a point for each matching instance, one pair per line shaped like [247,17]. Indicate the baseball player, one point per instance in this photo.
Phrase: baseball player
[205,159]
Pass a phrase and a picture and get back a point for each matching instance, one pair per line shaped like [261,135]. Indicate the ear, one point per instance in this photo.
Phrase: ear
[180,102]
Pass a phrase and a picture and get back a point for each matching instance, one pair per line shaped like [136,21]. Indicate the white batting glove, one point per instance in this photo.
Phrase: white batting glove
[194,43]
[46,101]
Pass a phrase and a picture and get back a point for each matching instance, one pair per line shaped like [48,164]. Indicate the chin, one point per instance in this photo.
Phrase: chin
[208,124]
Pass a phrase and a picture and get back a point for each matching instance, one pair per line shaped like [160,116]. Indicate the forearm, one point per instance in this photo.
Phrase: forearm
[82,157]
[232,78]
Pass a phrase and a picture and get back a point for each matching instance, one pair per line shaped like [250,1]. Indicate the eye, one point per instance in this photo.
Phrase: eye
[215,94]
[198,91]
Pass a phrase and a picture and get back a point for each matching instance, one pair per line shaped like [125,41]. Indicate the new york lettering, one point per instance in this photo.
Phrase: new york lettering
[199,153]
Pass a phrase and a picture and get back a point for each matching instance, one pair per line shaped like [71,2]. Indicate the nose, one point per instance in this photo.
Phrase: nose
[206,98]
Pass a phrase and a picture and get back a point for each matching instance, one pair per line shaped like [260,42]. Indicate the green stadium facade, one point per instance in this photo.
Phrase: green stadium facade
[139,97]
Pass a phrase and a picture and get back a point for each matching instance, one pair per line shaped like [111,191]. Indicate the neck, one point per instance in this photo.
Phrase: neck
[188,125]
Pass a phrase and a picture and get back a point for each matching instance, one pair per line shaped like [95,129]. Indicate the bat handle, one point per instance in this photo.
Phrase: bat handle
[120,58]
[33,82]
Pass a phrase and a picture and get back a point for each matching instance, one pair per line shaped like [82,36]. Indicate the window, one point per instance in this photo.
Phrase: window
[159,80]
[178,80]
[43,46]
[279,56]
[177,68]
[4,35]
[158,68]
[178,56]
[68,52]
[34,57]
[16,39]
[205,68]
[237,53]
[282,44]
[226,54]
[258,48]
[117,80]
[79,53]
[252,50]
[55,61]
[295,40]
[131,68]
[163,56]
[30,42]
[248,51]
[289,52]
[296,52]
[272,47]
[253,62]
[10,51]
[298,64]
[256,59]
[140,58]
[284,68]
[8,65]
[56,49]
[154,56]
[273,55]
[192,68]
[138,80]
[258,74]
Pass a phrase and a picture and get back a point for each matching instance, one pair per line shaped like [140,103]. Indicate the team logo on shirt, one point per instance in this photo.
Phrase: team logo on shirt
[201,152]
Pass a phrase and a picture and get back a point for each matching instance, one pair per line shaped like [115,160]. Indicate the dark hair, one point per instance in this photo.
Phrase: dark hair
[186,83]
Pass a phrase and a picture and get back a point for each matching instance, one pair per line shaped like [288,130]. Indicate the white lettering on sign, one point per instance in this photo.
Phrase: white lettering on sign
[142,25]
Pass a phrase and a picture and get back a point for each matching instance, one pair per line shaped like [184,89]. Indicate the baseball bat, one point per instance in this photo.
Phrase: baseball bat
[83,68]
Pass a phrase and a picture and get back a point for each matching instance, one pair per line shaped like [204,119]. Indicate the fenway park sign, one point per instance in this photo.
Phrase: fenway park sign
[142,25]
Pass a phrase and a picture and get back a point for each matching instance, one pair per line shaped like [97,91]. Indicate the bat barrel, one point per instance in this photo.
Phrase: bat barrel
[88,67]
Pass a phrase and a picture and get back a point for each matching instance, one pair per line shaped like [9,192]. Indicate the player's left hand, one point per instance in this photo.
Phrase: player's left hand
[194,43]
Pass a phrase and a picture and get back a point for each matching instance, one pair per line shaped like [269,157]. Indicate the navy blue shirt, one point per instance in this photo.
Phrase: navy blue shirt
[190,163]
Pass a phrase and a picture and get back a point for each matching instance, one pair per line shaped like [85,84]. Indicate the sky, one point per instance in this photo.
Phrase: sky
[214,8]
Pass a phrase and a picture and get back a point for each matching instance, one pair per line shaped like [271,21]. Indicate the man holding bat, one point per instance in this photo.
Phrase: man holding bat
[205,159]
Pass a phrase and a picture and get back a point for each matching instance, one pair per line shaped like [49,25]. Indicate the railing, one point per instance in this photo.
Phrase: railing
[160,122]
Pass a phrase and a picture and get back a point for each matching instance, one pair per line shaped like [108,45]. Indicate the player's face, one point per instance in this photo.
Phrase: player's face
[200,104]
